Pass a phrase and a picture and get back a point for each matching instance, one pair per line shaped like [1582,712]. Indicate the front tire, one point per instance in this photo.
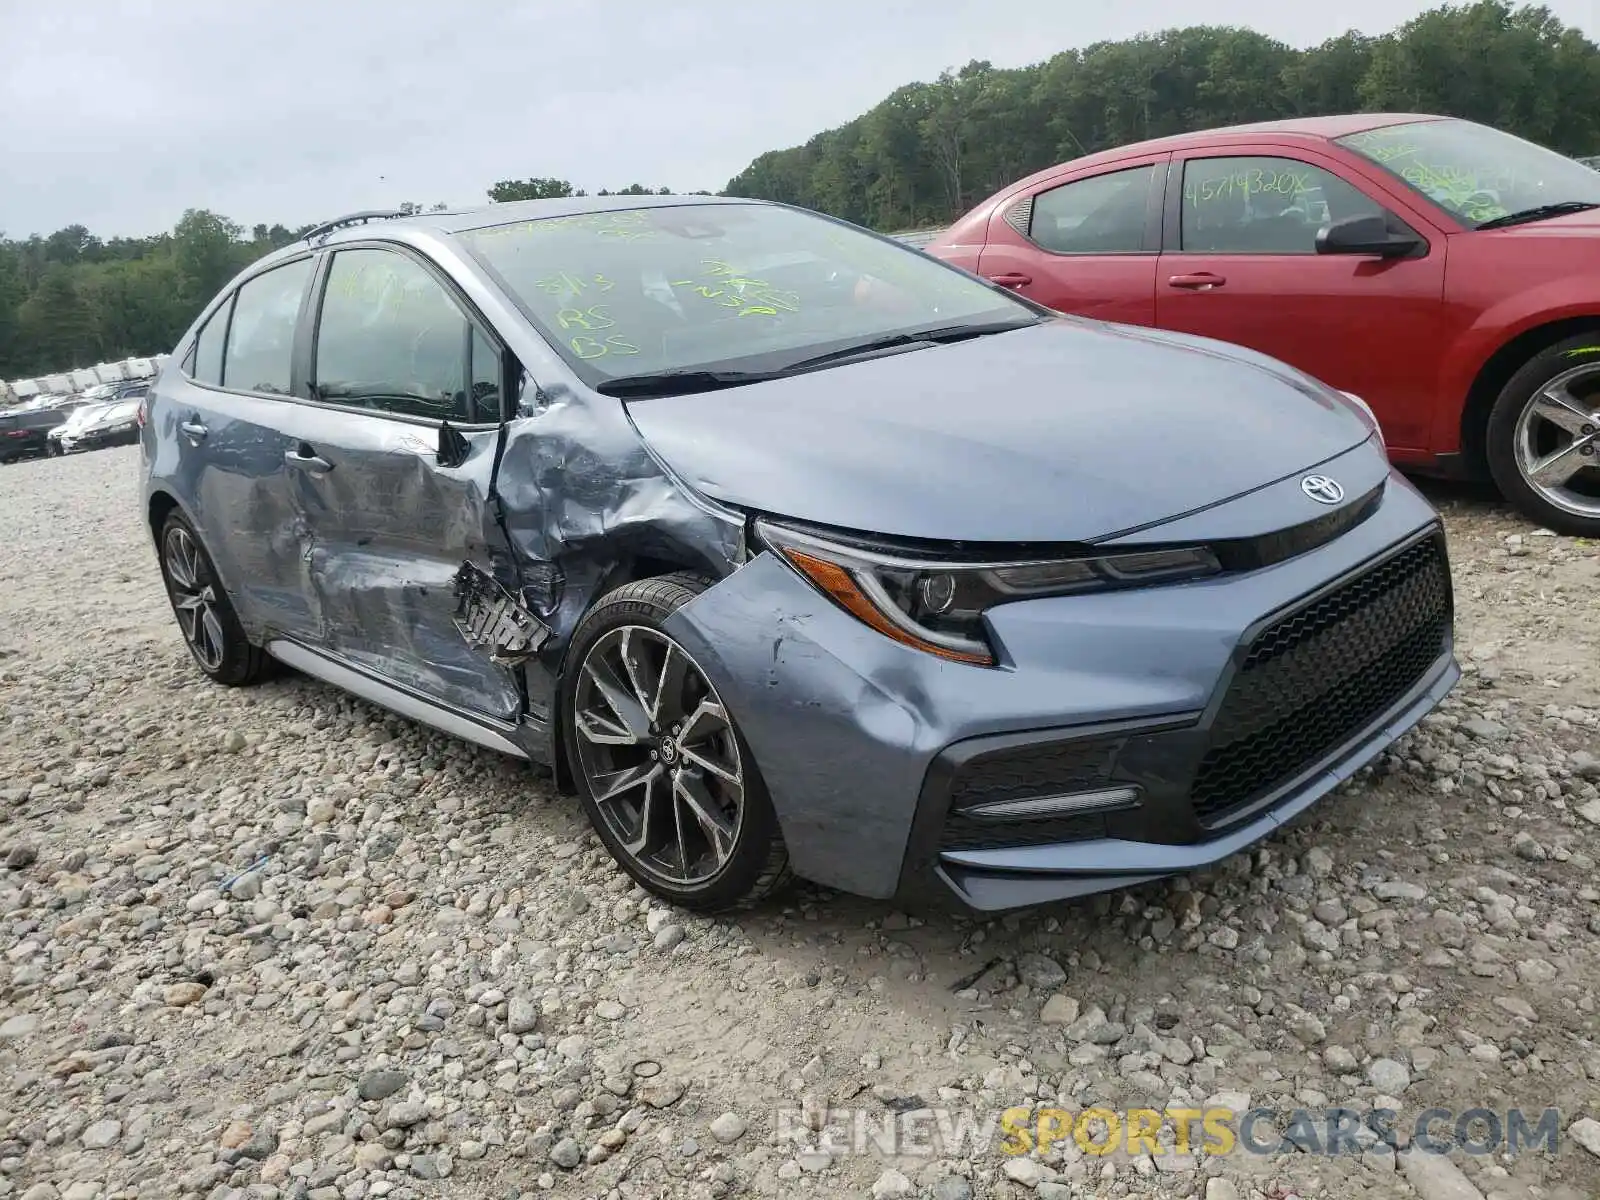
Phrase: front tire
[210,628]
[663,773]
[1543,438]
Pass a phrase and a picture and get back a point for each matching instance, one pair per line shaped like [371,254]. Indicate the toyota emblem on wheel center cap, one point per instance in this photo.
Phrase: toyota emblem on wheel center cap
[1322,489]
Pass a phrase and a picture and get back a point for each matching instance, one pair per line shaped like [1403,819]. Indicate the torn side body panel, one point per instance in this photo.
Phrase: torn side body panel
[586,508]
[491,618]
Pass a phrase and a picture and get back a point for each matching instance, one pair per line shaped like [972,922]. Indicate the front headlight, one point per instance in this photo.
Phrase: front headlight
[1371,417]
[938,606]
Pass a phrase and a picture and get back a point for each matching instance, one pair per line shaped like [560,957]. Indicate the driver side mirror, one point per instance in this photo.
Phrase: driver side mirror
[1369,235]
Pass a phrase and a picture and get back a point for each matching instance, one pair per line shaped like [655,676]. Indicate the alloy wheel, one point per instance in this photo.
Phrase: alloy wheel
[659,755]
[194,597]
[1557,441]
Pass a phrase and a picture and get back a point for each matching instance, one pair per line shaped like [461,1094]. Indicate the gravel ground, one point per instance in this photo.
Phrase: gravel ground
[436,985]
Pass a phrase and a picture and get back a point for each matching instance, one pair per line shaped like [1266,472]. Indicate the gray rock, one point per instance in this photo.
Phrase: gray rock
[381,1084]
[1524,846]
[1060,1009]
[20,1026]
[1586,1132]
[1388,1076]
[566,1153]
[21,856]
[102,1135]
[892,1185]
[522,1014]
[729,1128]
[1040,971]
[1027,1171]
[405,1114]
[431,1166]
[1399,889]
[1340,1060]
[1306,1028]
[1435,1177]
[952,1187]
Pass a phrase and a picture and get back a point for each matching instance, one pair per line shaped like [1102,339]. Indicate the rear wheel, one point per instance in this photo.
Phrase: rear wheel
[1543,438]
[665,776]
[210,628]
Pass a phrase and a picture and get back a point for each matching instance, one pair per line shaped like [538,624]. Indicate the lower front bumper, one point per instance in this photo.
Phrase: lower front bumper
[988,880]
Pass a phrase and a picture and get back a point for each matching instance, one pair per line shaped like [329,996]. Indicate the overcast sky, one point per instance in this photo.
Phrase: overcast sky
[119,114]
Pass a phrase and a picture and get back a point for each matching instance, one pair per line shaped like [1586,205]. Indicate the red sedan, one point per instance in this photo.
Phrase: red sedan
[1445,272]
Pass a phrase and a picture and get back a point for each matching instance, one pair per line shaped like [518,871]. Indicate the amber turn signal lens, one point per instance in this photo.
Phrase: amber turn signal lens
[838,584]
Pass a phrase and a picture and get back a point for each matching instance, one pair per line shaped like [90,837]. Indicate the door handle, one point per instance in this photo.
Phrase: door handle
[1011,279]
[193,429]
[304,458]
[1200,281]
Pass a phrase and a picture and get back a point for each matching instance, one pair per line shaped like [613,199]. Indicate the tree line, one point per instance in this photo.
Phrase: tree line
[72,299]
[921,157]
[930,151]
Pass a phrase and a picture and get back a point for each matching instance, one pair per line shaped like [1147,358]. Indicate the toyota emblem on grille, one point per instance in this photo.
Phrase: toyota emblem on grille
[1322,489]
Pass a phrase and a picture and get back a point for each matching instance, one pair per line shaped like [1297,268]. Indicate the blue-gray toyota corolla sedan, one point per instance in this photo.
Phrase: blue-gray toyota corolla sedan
[793,550]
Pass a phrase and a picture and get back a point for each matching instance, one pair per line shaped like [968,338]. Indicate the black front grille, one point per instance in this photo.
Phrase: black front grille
[1022,774]
[1316,677]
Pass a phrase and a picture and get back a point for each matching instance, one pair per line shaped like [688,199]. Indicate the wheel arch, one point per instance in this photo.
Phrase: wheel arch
[1497,371]
[634,568]
[162,504]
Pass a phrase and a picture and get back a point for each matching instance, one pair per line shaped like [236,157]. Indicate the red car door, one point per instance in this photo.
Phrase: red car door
[1239,263]
[1084,242]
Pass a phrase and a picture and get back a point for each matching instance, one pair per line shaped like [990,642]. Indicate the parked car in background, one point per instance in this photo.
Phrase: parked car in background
[63,439]
[885,577]
[24,433]
[115,424]
[1442,270]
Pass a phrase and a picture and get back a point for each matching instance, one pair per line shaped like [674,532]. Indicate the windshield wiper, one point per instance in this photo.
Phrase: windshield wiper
[941,336]
[1537,213]
[680,383]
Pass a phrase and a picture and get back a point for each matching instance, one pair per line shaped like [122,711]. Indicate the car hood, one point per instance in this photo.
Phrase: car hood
[1068,431]
[107,420]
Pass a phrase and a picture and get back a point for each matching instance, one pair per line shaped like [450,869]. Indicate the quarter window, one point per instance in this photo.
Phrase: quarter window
[207,354]
[1263,205]
[391,338]
[486,375]
[261,334]
[1101,215]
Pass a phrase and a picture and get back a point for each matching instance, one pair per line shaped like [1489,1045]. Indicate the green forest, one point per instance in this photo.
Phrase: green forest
[923,155]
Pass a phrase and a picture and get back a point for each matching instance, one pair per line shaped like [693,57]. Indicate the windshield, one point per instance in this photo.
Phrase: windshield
[1475,172]
[700,286]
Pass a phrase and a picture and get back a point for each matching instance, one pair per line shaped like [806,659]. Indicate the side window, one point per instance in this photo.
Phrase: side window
[486,376]
[1101,215]
[391,338]
[261,334]
[207,352]
[1263,205]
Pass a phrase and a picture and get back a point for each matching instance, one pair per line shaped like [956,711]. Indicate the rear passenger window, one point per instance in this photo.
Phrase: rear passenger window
[1104,214]
[261,334]
[207,366]
[391,338]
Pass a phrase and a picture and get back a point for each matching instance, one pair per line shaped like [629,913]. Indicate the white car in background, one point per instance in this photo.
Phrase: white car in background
[64,437]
